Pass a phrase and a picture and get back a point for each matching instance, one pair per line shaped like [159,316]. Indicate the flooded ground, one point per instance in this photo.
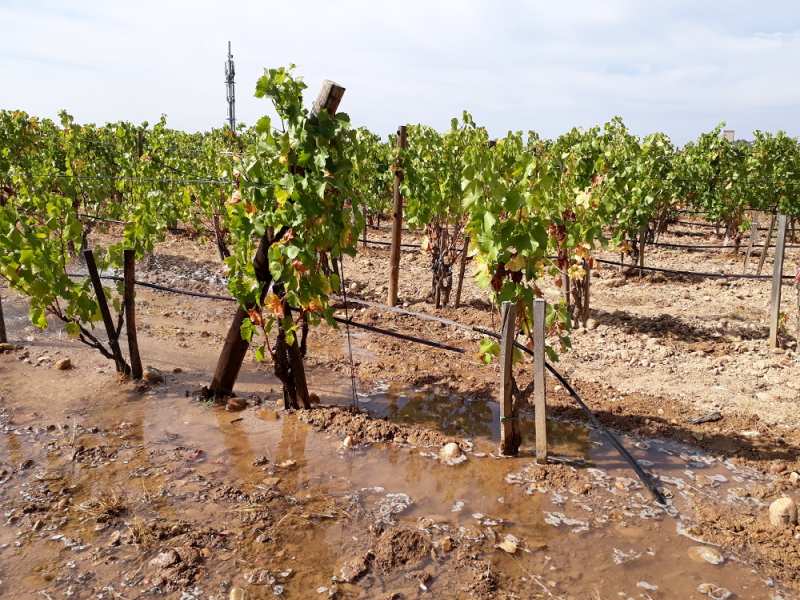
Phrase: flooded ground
[113,490]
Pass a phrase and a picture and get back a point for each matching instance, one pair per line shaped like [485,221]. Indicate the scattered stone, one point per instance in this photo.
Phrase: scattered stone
[313,398]
[714,591]
[446,544]
[271,482]
[451,454]
[235,404]
[709,418]
[260,577]
[114,539]
[706,554]
[64,364]
[165,559]
[6,347]
[347,442]
[153,375]
[509,544]
[237,593]
[794,477]
[777,467]
[354,568]
[647,586]
[783,512]
[177,370]
[591,324]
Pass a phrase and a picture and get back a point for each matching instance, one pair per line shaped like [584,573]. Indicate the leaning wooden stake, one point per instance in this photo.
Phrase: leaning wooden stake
[539,394]
[113,340]
[129,272]
[397,223]
[766,245]
[777,281]
[461,268]
[509,428]
[3,337]
[753,238]
[235,348]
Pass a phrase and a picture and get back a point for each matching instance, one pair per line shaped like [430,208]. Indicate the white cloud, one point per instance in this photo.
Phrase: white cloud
[678,66]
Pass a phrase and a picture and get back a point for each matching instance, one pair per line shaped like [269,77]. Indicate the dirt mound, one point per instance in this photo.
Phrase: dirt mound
[401,546]
[751,537]
[363,429]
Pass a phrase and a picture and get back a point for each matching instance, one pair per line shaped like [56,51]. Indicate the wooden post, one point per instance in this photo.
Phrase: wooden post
[397,223]
[461,268]
[587,294]
[113,341]
[539,393]
[642,238]
[753,238]
[365,226]
[3,336]
[235,348]
[777,281]
[766,245]
[509,428]
[129,271]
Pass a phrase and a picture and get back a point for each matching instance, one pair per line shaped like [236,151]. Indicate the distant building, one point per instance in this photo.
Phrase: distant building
[729,134]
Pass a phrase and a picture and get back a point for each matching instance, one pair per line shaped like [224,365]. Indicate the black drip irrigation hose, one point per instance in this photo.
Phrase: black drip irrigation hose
[706,225]
[182,292]
[400,336]
[116,222]
[713,246]
[382,243]
[688,273]
[161,288]
[643,475]
[411,246]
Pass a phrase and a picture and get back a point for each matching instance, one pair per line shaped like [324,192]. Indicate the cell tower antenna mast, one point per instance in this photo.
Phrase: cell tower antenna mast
[231,89]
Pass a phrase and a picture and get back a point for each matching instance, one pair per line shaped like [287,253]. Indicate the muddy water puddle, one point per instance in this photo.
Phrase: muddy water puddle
[110,494]
[593,529]
[582,528]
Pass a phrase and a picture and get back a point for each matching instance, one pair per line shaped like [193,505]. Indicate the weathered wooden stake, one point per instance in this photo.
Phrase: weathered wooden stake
[113,341]
[539,390]
[753,238]
[461,268]
[766,245]
[642,238]
[777,281]
[397,223]
[235,348]
[365,226]
[509,428]
[129,272]
[3,336]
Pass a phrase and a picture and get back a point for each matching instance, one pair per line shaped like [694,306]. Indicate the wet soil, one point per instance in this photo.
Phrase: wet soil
[113,490]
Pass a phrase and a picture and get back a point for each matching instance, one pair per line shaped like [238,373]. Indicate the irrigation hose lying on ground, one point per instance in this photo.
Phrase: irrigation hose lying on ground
[645,477]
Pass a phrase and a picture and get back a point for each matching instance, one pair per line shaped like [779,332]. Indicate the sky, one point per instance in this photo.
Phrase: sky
[678,66]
